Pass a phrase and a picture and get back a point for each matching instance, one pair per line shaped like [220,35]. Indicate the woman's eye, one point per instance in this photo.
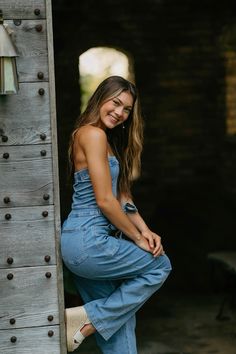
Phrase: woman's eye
[127,110]
[115,102]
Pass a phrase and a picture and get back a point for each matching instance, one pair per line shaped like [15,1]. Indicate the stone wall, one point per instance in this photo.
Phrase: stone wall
[178,51]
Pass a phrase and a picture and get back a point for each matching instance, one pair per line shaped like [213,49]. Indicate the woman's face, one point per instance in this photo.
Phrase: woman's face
[116,110]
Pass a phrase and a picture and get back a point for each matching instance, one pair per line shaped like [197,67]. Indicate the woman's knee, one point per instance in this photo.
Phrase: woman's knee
[165,265]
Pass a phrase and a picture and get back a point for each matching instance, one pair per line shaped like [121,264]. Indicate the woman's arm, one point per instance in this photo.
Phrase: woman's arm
[93,142]
[136,219]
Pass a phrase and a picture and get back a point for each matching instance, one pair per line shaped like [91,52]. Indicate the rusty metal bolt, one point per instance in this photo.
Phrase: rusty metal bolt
[39,28]
[4,138]
[10,276]
[45,213]
[43,152]
[6,155]
[47,258]
[46,196]
[12,321]
[37,12]
[41,91]
[43,136]
[13,339]
[50,318]
[50,333]
[48,275]
[10,260]
[40,75]
[8,216]
[17,22]
[6,200]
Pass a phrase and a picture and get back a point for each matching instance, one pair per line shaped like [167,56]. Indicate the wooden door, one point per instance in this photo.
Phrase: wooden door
[31,285]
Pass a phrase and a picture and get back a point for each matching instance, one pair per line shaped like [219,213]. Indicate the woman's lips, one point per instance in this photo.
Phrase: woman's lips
[113,119]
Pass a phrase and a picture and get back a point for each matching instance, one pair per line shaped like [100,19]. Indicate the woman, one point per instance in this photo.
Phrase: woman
[116,260]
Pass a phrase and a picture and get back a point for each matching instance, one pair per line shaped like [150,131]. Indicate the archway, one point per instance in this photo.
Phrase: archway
[98,63]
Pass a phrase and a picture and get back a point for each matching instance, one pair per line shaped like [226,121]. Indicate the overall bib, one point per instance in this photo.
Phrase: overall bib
[113,276]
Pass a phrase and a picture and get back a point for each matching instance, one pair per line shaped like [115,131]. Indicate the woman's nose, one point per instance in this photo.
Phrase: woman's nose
[119,111]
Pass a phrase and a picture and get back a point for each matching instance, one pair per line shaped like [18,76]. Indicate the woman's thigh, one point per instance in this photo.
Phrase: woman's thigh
[113,258]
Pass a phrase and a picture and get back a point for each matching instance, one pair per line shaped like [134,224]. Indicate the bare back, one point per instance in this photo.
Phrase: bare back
[79,157]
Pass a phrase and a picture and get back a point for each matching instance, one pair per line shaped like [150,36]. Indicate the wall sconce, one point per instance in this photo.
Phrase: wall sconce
[8,72]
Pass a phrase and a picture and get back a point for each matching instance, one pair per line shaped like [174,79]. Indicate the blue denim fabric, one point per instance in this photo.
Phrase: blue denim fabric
[113,276]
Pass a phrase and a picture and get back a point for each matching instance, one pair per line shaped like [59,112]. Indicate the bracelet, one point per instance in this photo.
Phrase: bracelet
[130,208]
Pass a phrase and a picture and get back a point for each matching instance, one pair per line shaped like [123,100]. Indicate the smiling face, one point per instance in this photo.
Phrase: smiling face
[116,110]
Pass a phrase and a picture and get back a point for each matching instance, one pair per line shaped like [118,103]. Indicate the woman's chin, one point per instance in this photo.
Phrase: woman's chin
[111,125]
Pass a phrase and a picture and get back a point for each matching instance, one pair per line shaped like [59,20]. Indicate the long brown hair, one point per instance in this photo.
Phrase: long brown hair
[126,143]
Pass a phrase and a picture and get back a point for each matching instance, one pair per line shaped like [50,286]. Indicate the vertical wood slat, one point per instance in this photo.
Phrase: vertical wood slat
[56,176]
[23,118]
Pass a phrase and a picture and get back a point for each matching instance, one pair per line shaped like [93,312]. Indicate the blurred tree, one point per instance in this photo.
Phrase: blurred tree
[96,64]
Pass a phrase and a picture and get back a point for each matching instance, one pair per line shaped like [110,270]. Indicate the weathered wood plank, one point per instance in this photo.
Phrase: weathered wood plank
[31,341]
[27,236]
[26,176]
[29,297]
[56,177]
[25,116]
[60,287]
[32,49]
[18,9]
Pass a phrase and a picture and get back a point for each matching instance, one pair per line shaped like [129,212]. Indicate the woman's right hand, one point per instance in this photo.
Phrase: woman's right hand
[144,244]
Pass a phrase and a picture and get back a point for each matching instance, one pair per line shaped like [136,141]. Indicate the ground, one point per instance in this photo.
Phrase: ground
[181,324]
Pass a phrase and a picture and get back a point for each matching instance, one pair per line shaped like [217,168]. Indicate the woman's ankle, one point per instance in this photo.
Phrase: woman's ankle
[88,329]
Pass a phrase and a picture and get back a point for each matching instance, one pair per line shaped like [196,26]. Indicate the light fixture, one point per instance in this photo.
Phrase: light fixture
[8,72]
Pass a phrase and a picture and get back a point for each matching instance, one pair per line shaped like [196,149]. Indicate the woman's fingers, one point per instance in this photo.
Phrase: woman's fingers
[154,242]
[158,250]
[150,240]
[148,235]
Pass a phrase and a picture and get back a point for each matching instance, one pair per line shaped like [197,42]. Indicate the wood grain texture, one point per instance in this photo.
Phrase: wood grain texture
[29,297]
[26,176]
[23,117]
[32,49]
[31,341]
[57,220]
[18,9]
[27,237]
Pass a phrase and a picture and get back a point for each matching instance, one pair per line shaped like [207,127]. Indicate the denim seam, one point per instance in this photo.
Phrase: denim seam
[126,336]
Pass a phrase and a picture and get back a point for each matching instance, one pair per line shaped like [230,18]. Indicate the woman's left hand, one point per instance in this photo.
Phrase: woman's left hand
[154,241]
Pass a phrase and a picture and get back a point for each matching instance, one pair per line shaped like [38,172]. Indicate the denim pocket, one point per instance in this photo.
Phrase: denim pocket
[72,246]
[108,245]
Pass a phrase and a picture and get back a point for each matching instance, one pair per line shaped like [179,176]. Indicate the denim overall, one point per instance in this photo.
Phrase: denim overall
[113,276]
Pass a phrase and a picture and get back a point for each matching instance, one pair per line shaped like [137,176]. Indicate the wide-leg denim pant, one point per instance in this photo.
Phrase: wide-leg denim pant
[113,276]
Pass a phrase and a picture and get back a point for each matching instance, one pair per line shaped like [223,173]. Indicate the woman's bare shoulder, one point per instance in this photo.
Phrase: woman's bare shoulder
[90,134]
[89,131]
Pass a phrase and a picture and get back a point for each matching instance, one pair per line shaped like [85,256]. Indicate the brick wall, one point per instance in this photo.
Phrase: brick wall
[179,63]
